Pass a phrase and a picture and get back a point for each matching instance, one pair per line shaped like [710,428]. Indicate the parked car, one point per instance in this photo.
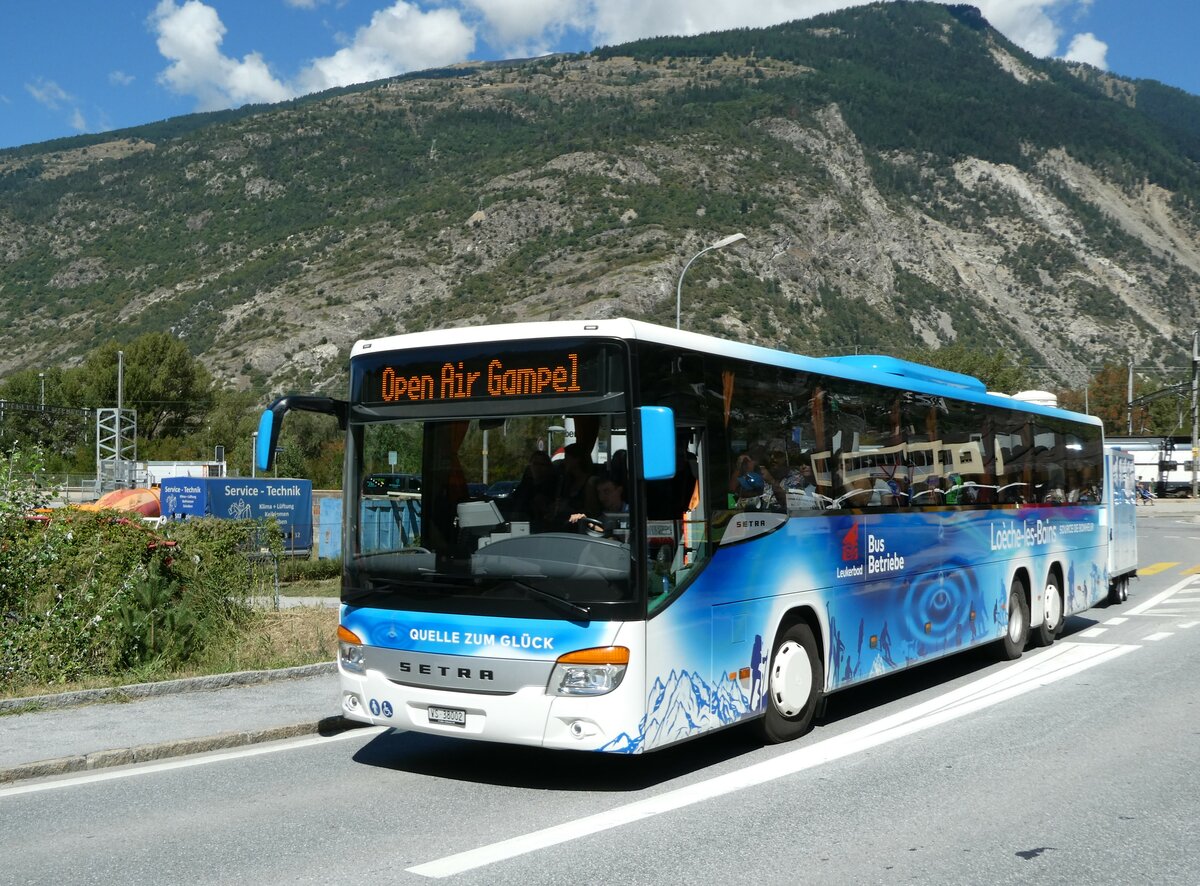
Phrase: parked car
[384,484]
[501,489]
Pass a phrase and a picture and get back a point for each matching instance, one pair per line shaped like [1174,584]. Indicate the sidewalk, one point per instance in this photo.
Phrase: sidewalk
[42,736]
[1171,507]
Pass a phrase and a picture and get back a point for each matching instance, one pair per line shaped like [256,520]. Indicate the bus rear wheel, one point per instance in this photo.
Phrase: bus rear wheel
[794,684]
[1017,633]
[1052,613]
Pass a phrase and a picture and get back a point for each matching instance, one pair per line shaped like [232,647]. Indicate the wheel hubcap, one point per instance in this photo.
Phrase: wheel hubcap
[1052,608]
[791,679]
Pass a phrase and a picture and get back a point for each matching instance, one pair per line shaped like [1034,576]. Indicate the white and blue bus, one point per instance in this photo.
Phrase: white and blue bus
[733,534]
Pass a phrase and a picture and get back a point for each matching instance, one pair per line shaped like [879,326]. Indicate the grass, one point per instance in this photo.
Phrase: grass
[269,640]
[311,587]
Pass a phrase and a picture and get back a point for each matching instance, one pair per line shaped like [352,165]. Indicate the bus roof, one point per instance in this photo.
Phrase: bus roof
[871,369]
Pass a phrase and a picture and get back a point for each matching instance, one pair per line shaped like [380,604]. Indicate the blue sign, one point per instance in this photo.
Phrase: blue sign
[181,497]
[288,502]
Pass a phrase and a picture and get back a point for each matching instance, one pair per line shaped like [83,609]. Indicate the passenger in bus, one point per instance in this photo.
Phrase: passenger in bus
[797,487]
[576,486]
[752,488]
[618,466]
[533,499]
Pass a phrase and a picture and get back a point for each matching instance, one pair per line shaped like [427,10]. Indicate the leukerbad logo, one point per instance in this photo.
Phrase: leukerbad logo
[850,548]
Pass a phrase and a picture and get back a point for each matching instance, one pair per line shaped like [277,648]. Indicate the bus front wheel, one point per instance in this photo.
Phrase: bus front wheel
[1016,635]
[1052,613]
[794,684]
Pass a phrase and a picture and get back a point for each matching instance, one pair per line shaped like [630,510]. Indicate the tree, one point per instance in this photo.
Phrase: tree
[230,423]
[57,432]
[171,390]
[999,370]
[1107,398]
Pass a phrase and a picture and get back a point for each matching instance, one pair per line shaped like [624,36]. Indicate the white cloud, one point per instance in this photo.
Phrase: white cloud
[48,93]
[616,21]
[120,78]
[1086,48]
[529,27]
[1026,23]
[77,121]
[190,36]
[403,37]
[398,39]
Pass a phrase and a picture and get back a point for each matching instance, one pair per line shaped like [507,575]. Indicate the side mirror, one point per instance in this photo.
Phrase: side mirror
[658,442]
[271,421]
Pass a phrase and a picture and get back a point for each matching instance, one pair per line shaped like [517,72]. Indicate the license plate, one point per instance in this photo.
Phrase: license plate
[448,716]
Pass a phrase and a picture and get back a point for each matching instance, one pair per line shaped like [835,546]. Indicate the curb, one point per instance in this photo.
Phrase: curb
[162,750]
[165,687]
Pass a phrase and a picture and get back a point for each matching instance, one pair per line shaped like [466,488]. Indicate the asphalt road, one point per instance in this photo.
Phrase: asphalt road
[1077,764]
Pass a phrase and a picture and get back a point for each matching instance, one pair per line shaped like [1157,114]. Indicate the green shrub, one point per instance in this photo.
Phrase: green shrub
[88,594]
[295,569]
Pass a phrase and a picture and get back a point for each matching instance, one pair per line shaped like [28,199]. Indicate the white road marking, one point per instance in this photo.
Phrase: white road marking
[1032,672]
[1092,632]
[1164,595]
[1161,635]
[1189,624]
[188,762]
[1119,620]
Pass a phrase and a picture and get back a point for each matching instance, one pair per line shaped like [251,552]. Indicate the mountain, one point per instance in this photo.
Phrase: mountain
[905,175]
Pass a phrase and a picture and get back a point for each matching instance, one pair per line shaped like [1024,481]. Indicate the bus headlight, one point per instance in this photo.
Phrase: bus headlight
[350,650]
[589,671]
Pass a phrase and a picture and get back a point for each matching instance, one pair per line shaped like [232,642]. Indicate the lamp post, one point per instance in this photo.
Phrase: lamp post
[253,453]
[1195,412]
[720,244]
[42,383]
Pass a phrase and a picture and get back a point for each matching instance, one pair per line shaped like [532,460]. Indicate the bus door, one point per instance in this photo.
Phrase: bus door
[677,521]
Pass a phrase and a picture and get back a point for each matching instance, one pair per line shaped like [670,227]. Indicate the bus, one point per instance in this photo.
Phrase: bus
[774,529]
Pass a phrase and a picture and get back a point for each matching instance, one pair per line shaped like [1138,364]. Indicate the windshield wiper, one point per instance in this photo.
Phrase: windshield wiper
[420,584]
[547,596]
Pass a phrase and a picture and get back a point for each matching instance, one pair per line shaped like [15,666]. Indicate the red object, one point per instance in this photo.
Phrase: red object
[143,502]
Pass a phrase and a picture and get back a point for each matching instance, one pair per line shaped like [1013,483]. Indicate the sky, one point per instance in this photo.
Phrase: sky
[69,67]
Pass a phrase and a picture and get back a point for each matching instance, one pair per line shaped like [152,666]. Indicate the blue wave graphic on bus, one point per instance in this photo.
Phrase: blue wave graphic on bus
[939,612]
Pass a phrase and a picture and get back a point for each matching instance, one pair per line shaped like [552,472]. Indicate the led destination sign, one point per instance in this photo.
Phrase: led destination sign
[570,372]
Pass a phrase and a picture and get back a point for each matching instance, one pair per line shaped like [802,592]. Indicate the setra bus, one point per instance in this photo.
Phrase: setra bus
[732,534]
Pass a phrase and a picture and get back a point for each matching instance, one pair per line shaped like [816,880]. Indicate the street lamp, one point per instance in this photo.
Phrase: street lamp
[42,382]
[253,452]
[719,245]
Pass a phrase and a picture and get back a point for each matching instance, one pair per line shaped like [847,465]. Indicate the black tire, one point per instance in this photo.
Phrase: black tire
[795,681]
[1114,592]
[1016,635]
[1053,613]
[1118,591]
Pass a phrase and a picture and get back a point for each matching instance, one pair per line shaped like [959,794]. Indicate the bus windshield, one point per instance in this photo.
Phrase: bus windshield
[492,499]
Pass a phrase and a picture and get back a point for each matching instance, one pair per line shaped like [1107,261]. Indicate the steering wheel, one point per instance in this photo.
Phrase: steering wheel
[592,526]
